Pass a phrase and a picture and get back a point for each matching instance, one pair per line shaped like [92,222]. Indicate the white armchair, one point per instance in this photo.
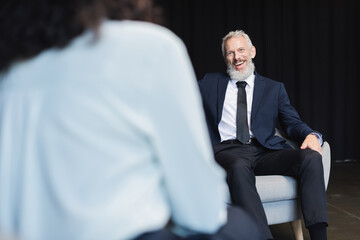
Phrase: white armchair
[279,195]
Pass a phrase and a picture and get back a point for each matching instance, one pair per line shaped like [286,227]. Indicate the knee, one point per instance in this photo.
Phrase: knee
[241,167]
[242,171]
[312,160]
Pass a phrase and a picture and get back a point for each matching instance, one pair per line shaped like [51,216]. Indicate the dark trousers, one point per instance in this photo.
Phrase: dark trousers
[244,161]
[239,226]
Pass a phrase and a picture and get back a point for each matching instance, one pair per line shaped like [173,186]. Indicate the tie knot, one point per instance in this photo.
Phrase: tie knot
[241,84]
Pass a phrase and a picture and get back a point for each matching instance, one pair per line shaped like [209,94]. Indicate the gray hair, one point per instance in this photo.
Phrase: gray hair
[237,33]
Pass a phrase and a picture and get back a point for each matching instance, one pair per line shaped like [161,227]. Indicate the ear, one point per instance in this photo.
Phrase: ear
[253,52]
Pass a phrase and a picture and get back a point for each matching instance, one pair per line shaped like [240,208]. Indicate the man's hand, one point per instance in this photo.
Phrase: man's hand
[311,142]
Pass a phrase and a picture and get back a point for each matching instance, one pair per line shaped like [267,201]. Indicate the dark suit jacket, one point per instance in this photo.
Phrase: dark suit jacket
[270,109]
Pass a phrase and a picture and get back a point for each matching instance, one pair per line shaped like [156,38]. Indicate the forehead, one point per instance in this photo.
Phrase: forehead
[236,42]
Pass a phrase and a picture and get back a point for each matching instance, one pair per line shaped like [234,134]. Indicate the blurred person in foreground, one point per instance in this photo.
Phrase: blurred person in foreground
[102,135]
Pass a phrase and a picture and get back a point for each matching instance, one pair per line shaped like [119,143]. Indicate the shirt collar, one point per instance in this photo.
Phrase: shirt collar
[250,80]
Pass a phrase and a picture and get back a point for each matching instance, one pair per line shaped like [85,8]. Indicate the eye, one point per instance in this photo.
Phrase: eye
[229,53]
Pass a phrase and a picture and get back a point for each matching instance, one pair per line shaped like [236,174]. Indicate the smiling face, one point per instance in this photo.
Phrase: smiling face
[239,53]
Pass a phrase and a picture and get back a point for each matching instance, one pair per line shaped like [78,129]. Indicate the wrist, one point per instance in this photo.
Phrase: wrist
[318,136]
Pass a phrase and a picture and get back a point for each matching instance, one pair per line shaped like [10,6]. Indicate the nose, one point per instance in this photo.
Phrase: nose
[237,55]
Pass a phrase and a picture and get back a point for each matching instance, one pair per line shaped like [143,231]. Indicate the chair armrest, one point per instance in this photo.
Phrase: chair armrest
[326,158]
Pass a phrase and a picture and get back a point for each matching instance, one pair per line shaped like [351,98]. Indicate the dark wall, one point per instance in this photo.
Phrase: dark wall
[311,46]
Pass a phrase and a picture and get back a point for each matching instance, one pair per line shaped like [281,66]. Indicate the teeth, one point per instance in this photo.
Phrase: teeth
[237,64]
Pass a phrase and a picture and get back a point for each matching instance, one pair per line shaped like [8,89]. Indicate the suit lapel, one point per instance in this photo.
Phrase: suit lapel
[259,87]
[221,90]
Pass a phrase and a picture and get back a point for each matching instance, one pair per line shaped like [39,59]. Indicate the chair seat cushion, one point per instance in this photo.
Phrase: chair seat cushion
[276,188]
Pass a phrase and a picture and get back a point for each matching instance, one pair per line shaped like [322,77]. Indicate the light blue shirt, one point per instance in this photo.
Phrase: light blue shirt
[106,139]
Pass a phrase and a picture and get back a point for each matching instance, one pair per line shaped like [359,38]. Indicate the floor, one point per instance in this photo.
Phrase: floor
[343,201]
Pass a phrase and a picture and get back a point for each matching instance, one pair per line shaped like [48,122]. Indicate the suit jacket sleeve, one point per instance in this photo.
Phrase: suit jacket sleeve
[289,119]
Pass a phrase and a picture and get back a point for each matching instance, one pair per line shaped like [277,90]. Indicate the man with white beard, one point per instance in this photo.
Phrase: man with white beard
[242,111]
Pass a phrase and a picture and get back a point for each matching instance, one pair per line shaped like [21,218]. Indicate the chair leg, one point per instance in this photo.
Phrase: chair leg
[296,227]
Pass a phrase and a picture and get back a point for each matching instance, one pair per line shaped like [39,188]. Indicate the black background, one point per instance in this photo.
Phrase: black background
[310,46]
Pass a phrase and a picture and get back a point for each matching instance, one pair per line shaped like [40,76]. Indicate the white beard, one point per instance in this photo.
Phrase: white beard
[241,76]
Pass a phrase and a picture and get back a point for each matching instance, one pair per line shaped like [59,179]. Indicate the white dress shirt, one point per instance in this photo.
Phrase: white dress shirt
[106,139]
[227,125]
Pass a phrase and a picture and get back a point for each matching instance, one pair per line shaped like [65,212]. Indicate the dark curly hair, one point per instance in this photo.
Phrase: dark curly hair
[30,27]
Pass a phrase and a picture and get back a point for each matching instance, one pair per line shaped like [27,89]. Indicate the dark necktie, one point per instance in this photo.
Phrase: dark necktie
[242,128]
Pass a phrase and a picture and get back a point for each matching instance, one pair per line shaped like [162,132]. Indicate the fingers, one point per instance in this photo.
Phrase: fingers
[303,146]
[315,147]
[311,144]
